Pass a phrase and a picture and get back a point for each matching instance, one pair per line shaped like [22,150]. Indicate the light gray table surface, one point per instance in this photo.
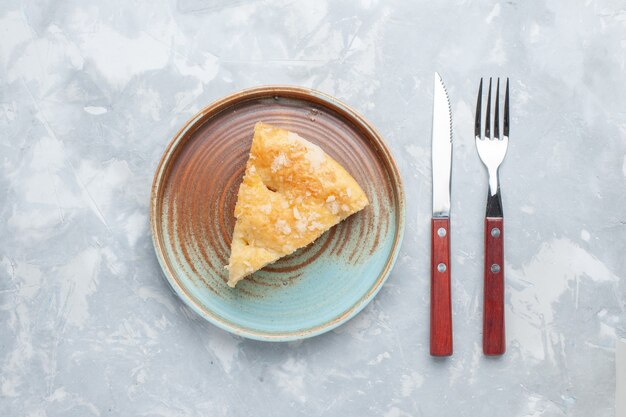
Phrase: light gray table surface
[90,94]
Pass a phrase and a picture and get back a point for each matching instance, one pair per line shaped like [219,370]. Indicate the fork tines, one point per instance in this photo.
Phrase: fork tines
[496,119]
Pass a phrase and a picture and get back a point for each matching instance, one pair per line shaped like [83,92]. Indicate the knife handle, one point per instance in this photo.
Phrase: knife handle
[440,305]
[493,303]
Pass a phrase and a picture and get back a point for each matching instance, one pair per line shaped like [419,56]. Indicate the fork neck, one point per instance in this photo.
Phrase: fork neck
[494,199]
[494,181]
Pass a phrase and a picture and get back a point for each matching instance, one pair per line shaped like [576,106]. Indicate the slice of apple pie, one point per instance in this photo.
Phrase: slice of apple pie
[291,193]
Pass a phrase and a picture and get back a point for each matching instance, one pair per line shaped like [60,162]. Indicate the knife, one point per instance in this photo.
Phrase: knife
[440,304]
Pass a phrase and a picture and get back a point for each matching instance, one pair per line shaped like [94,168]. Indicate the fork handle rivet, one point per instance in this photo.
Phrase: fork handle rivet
[495,268]
[495,232]
[441,232]
[441,267]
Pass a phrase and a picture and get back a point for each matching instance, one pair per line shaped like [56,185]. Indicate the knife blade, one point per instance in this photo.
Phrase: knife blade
[441,149]
[440,300]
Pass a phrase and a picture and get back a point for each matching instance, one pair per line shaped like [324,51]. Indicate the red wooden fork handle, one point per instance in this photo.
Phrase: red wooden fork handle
[493,314]
[440,306]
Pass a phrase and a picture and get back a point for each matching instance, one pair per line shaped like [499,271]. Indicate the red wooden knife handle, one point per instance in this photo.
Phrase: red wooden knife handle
[493,313]
[440,306]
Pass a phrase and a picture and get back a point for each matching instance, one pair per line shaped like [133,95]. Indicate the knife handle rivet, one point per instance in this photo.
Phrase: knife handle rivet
[441,232]
[495,268]
[495,232]
[441,267]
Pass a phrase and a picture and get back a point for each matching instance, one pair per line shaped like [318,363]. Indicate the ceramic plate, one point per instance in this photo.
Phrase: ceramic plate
[191,215]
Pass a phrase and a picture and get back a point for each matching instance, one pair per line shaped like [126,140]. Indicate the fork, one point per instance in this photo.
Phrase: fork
[492,148]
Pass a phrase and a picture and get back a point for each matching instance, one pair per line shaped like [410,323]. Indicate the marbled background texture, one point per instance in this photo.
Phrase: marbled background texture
[92,91]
